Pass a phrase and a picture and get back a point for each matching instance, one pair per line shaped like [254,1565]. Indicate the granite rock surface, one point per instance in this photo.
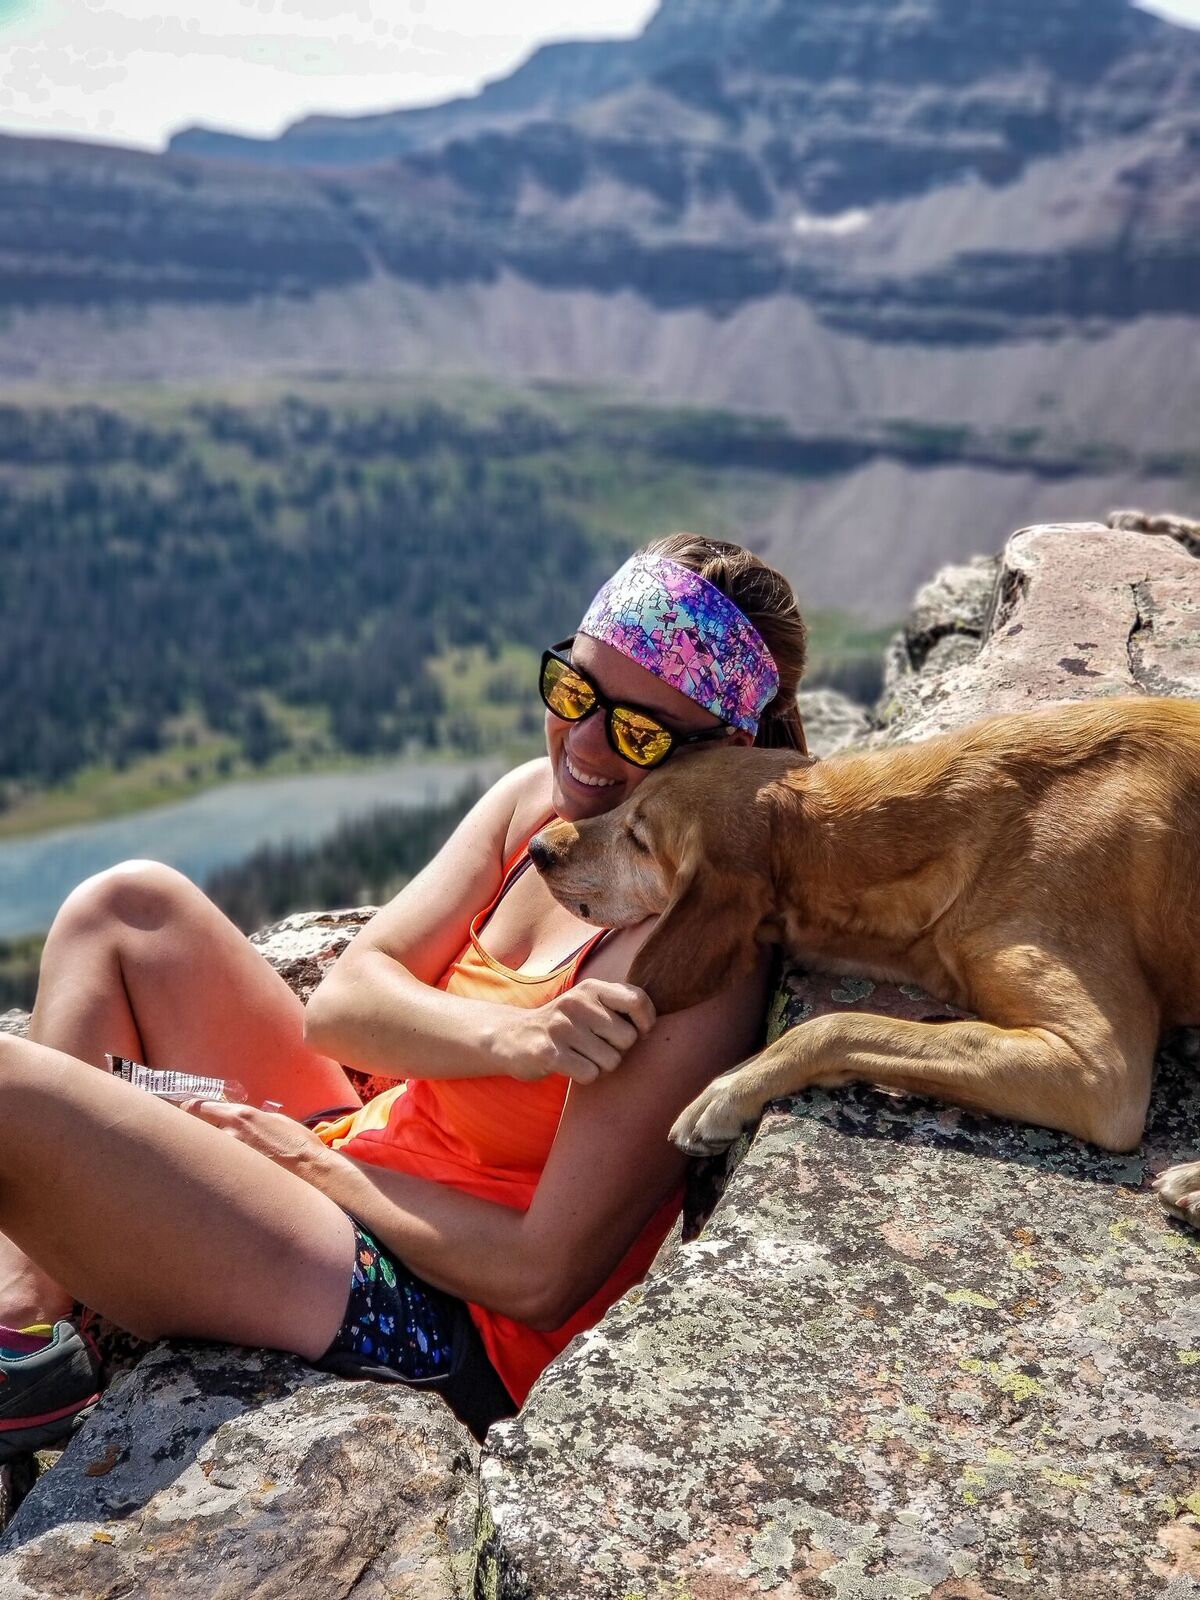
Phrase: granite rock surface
[914,1354]
[221,1475]
[1186,530]
[302,948]
[1077,611]
[832,721]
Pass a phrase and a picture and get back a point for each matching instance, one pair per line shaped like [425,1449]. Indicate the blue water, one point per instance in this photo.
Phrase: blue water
[213,829]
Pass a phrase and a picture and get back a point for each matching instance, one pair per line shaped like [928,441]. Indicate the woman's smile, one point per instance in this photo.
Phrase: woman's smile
[582,777]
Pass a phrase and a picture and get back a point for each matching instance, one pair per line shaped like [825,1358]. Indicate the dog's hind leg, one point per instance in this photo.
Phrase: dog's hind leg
[1095,1086]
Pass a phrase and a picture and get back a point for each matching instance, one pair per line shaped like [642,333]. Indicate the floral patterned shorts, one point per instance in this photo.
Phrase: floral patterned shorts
[395,1325]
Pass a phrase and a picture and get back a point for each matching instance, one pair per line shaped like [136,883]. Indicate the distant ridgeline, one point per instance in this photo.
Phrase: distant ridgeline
[896,172]
[194,588]
[961,217]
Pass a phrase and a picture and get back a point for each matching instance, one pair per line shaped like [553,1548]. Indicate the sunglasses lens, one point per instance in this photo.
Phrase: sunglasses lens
[567,694]
[639,739]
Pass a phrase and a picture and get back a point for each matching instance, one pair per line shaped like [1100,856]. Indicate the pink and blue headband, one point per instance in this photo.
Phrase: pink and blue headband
[681,628]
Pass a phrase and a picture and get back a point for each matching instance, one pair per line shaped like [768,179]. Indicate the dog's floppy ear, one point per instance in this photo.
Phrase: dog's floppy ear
[704,939]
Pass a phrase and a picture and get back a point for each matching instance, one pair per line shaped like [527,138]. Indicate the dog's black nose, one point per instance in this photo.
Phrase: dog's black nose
[540,852]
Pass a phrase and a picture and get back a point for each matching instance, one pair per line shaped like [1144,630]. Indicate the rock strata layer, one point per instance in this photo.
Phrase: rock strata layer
[914,1353]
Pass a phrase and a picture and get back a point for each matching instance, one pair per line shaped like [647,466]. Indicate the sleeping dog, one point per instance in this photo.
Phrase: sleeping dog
[1038,870]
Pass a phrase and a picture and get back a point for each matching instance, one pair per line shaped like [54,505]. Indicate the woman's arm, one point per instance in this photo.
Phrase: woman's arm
[609,1170]
[379,1009]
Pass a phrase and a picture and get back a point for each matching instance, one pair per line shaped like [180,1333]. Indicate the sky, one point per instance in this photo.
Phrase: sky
[133,71]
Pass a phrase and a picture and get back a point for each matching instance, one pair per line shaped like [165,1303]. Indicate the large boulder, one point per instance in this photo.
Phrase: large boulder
[832,721]
[302,948]
[1168,523]
[914,1353]
[1077,611]
[218,1475]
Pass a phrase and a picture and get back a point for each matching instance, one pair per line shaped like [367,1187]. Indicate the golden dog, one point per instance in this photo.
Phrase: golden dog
[1041,871]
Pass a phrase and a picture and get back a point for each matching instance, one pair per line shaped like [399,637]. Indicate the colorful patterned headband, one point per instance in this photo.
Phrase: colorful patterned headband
[681,628]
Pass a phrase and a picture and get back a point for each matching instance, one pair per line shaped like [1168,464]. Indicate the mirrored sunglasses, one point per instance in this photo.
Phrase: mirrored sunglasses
[635,734]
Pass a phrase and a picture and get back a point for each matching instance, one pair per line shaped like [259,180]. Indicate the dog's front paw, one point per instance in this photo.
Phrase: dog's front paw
[713,1121]
[1179,1190]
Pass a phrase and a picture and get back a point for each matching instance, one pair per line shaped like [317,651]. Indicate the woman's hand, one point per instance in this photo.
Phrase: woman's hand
[581,1033]
[285,1142]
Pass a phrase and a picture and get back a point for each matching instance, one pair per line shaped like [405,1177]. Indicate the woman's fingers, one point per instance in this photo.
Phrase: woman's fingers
[594,1048]
[217,1113]
[579,1068]
[622,999]
[587,1031]
[243,1122]
[610,1018]
[285,1142]
[613,1027]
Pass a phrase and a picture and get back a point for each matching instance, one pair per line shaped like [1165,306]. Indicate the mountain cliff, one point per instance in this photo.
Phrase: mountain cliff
[842,212]
[732,153]
[1041,59]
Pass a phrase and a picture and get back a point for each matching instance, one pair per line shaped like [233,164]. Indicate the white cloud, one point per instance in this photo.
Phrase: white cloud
[133,70]
[1185,11]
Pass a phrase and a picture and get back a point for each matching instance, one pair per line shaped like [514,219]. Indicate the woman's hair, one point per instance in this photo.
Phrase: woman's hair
[765,597]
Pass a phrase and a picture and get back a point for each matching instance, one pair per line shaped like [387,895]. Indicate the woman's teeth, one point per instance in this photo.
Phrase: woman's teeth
[591,783]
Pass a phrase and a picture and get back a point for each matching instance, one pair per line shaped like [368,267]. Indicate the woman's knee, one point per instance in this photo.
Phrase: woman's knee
[16,1059]
[23,1067]
[143,895]
[11,1048]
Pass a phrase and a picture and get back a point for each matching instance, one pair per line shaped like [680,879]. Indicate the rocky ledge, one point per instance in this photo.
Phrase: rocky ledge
[913,1353]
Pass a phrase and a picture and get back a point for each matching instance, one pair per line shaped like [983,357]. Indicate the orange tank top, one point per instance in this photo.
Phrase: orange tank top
[491,1137]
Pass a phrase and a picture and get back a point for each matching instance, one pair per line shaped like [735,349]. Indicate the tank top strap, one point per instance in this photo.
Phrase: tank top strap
[517,865]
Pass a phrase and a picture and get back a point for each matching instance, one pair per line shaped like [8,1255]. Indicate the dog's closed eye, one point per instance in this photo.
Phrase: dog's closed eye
[638,842]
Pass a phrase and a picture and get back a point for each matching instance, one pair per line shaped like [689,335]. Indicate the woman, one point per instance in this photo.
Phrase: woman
[483,1214]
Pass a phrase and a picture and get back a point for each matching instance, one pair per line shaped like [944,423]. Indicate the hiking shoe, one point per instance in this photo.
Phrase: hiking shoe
[48,1383]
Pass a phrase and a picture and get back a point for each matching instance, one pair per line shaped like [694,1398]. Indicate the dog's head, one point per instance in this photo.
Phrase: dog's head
[692,846]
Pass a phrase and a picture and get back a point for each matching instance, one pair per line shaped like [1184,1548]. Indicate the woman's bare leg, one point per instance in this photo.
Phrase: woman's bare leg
[139,962]
[162,1223]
